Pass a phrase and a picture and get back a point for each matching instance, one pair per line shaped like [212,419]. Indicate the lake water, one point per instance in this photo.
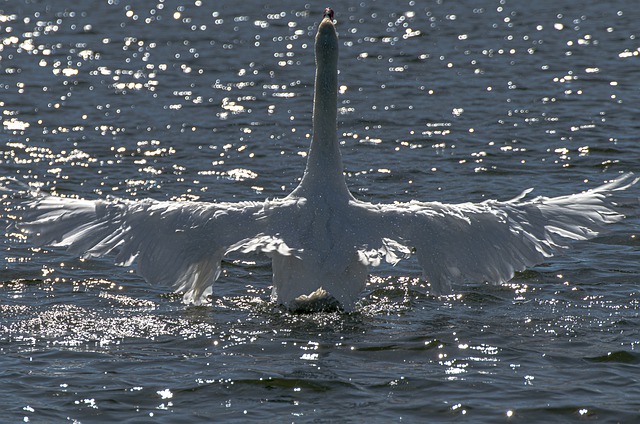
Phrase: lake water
[440,100]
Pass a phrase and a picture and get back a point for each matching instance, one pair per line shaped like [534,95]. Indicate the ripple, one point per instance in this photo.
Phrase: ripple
[452,102]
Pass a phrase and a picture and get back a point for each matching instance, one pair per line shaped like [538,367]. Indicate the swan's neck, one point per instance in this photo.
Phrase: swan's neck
[324,170]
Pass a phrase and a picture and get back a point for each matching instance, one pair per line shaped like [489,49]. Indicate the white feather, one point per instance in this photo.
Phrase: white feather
[321,240]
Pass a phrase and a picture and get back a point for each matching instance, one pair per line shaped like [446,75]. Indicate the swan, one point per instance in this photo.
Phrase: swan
[321,240]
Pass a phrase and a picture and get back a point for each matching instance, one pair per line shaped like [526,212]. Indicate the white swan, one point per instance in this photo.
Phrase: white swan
[321,240]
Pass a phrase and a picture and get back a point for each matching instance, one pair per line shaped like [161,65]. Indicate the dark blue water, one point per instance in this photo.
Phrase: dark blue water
[449,101]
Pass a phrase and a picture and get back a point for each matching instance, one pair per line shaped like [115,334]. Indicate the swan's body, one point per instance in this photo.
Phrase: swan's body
[319,237]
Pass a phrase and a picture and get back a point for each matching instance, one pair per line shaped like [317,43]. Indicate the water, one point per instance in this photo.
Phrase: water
[449,101]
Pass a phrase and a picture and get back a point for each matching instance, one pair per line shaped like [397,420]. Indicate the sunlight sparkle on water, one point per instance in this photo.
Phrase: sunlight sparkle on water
[190,101]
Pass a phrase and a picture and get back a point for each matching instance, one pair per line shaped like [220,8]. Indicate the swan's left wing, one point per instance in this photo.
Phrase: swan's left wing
[175,244]
[488,241]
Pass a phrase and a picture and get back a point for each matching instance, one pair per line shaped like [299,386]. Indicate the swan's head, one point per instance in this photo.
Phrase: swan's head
[328,13]
[326,38]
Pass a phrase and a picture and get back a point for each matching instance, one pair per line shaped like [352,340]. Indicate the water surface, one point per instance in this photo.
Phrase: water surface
[448,101]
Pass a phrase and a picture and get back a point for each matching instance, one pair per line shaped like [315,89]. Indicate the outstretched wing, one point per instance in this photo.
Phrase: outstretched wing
[488,241]
[176,244]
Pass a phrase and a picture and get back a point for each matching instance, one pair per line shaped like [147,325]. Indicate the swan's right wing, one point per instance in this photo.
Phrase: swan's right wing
[175,244]
[488,241]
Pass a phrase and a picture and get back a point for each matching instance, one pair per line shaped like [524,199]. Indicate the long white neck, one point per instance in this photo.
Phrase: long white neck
[324,172]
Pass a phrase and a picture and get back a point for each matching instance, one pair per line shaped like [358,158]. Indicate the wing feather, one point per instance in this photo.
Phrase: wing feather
[490,241]
[175,244]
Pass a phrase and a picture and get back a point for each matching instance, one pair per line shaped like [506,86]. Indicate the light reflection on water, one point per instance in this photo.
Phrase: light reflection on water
[438,101]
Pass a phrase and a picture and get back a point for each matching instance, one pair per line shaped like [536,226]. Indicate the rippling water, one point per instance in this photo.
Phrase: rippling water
[450,101]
